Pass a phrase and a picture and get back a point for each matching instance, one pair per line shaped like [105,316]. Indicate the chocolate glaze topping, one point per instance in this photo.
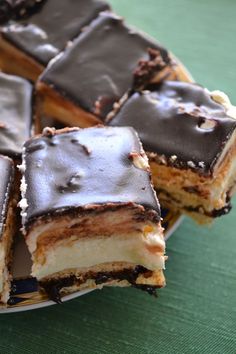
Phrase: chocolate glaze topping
[181,122]
[51,25]
[18,9]
[7,173]
[100,66]
[5,11]
[78,168]
[15,114]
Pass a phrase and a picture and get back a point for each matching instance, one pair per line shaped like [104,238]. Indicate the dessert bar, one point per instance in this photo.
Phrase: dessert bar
[6,225]
[81,85]
[16,114]
[40,30]
[189,135]
[89,212]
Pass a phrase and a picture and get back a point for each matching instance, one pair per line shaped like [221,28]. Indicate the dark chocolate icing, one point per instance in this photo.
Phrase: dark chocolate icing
[18,9]
[170,122]
[15,114]
[7,172]
[46,32]
[98,68]
[79,168]
[5,11]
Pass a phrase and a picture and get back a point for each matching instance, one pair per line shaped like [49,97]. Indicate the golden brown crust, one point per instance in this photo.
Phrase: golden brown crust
[14,61]
[52,104]
[6,243]
[179,188]
[180,72]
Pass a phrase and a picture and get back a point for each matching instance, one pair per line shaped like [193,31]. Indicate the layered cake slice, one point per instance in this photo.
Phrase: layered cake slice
[90,214]
[15,114]
[6,225]
[40,30]
[189,135]
[81,85]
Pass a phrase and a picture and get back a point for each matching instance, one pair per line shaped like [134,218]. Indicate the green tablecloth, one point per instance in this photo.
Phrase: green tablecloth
[196,312]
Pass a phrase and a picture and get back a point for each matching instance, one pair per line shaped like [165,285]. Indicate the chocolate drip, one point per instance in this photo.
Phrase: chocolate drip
[180,123]
[98,68]
[72,169]
[44,28]
[16,114]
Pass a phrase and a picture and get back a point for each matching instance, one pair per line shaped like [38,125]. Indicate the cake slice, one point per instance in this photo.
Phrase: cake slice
[7,225]
[189,135]
[40,30]
[89,212]
[16,115]
[81,85]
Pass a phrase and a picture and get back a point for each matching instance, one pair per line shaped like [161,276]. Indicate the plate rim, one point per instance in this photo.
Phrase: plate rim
[44,303]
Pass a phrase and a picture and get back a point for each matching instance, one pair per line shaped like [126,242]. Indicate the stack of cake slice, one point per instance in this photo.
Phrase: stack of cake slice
[189,134]
[90,215]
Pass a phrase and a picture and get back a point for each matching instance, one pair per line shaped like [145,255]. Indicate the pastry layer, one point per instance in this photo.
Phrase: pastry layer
[53,104]
[119,274]
[7,225]
[14,61]
[203,197]
[82,247]
[136,247]
[6,252]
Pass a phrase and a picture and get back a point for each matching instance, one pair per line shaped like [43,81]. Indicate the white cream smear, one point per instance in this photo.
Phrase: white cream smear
[137,249]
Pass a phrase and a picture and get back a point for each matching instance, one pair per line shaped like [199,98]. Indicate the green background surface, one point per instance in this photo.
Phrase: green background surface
[196,312]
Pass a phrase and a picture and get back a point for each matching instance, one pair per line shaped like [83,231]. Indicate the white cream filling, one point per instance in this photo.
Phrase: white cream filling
[88,252]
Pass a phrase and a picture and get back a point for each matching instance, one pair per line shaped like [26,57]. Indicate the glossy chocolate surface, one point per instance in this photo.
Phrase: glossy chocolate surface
[181,122]
[84,167]
[98,68]
[7,172]
[44,34]
[15,114]
[18,9]
[5,11]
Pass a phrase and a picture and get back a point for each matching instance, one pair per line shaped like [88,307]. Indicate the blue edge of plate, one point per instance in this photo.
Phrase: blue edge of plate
[22,290]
